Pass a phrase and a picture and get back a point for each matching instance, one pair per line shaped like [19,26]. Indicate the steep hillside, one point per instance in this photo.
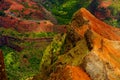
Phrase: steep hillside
[26,9]
[86,49]
[26,29]
[22,52]
[90,45]
[62,9]
[106,10]
[25,16]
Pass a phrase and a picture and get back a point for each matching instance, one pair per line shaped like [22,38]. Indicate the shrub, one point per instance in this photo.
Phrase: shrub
[2,13]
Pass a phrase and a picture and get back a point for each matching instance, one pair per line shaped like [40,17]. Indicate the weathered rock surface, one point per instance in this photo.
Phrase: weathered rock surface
[69,73]
[26,16]
[26,9]
[2,67]
[90,45]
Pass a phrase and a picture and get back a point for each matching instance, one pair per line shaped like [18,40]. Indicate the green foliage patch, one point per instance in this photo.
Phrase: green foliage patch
[2,13]
[63,10]
[115,12]
[24,64]
[21,65]
[13,33]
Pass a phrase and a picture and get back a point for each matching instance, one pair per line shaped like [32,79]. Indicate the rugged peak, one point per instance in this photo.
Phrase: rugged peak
[90,44]
[83,18]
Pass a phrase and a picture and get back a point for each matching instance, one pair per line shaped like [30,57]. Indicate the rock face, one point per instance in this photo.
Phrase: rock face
[27,9]
[69,73]
[2,67]
[90,45]
[25,16]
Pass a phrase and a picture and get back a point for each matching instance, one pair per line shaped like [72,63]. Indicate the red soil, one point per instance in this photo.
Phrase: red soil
[70,73]
[98,26]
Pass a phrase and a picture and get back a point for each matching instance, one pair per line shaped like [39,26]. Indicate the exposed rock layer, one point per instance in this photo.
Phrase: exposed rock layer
[69,73]
[14,43]
[25,16]
[89,44]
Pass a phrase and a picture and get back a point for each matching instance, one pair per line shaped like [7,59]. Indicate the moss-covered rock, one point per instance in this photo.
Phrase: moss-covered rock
[50,56]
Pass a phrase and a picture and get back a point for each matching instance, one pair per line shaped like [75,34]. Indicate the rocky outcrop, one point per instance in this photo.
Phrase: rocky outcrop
[2,67]
[26,16]
[28,9]
[69,73]
[26,25]
[90,45]
[30,25]
[102,40]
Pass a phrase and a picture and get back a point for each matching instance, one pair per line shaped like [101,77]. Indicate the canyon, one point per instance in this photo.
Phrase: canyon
[90,47]
[86,48]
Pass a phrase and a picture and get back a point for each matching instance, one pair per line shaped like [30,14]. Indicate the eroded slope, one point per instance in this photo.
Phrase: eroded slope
[89,44]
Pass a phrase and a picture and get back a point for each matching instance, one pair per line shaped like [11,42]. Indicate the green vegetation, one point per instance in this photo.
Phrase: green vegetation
[63,10]
[2,13]
[50,55]
[13,33]
[25,4]
[23,64]
[115,12]
[35,55]
[112,22]
[54,58]
[52,51]
[17,11]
